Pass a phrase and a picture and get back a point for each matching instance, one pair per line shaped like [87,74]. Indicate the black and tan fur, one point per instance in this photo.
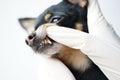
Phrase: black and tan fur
[72,14]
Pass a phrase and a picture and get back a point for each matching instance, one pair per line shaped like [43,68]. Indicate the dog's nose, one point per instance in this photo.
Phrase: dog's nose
[31,36]
[30,39]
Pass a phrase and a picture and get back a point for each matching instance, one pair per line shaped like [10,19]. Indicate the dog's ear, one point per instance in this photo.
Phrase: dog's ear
[81,3]
[27,24]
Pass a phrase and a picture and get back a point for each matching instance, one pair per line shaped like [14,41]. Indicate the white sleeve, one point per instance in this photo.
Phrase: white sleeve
[104,54]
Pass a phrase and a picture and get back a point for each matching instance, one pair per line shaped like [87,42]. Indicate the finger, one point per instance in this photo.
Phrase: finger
[98,26]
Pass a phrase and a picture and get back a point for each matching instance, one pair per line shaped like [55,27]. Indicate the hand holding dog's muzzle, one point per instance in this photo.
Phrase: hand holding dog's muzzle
[36,38]
[101,45]
[39,37]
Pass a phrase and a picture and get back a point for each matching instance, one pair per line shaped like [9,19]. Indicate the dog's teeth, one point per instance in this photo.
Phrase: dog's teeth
[49,41]
[45,41]
[40,44]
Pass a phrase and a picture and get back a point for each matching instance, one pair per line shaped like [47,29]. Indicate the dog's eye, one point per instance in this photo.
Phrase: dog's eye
[56,19]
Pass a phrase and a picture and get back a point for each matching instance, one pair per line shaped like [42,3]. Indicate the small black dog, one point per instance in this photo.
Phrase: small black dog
[72,14]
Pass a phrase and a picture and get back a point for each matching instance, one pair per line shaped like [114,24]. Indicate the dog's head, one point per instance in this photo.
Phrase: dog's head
[68,13]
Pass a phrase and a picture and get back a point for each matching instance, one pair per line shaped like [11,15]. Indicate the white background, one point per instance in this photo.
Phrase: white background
[17,61]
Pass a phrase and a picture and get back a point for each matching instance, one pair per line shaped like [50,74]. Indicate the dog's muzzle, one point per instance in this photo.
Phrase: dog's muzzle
[38,38]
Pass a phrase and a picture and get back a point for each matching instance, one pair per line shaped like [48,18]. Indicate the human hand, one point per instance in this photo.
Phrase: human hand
[101,44]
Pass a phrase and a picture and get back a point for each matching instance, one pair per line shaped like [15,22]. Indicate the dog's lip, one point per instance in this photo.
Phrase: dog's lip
[42,48]
[43,45]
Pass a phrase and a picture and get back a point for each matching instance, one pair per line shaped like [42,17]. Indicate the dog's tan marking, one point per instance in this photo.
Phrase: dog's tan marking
[73,58]
[73,1]
[83,3]
[47,16]
[79,26]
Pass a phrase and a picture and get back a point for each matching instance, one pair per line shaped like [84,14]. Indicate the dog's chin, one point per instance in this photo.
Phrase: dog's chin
[47,49]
